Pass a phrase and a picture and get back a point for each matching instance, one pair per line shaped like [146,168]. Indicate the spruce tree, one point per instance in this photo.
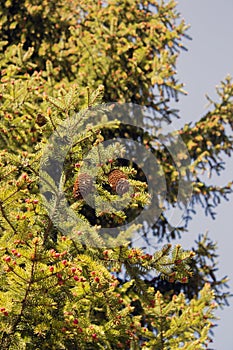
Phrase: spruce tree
[67,286]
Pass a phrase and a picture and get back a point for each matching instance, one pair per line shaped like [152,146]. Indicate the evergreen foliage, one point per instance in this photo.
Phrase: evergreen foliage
[61,60]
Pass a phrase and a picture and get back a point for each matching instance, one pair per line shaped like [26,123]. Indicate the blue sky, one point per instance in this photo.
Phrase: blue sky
[208,61]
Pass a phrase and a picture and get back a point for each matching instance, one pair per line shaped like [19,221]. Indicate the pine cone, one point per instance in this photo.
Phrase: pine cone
[82,186]
[118,181]
[122,186]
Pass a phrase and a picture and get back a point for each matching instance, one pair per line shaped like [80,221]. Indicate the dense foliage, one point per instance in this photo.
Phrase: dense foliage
[60,60]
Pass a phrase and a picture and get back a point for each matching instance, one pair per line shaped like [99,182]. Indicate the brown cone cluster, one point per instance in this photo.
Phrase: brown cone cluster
[83,185]
[118,181]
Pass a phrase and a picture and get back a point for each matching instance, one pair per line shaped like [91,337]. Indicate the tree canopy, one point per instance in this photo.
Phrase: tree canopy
[72,65]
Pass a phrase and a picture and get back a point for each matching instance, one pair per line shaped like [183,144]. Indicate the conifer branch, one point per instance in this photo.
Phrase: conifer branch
[6,218]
